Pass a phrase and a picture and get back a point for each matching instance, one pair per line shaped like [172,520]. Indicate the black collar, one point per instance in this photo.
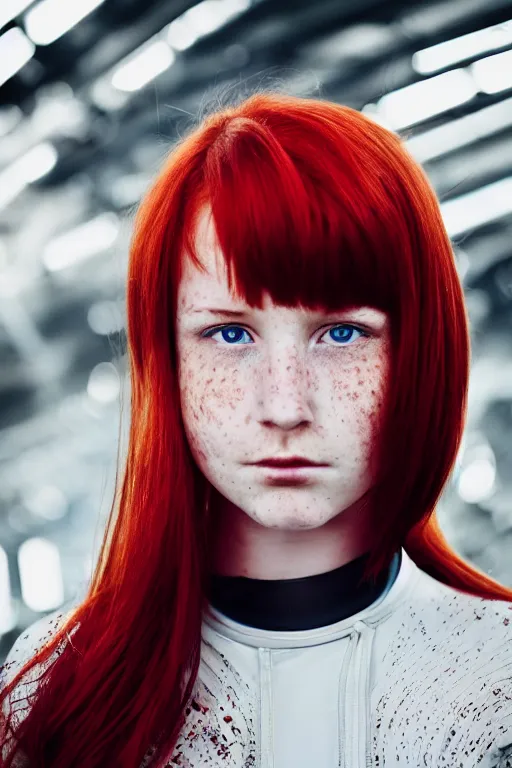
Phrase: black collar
[297,604]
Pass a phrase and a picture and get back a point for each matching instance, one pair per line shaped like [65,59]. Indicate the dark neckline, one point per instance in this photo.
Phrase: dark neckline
[297,604]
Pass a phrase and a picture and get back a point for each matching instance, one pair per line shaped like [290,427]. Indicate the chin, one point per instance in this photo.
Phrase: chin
[296,520]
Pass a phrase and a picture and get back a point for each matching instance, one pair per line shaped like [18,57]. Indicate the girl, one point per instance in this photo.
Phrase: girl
[292,292]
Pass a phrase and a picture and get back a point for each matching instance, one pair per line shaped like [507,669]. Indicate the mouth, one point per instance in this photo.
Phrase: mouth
[289,473]
[287,463]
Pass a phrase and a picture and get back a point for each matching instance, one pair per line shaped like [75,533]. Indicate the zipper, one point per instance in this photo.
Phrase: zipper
[344,748]
[266,746]
[354,713]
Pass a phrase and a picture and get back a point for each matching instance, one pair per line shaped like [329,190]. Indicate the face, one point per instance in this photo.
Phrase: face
[278,382]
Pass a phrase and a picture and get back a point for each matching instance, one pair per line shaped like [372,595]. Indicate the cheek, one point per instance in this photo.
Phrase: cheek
[209,398]
[359,396]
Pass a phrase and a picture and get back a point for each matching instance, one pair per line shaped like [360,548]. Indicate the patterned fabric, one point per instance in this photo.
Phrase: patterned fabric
[422,677]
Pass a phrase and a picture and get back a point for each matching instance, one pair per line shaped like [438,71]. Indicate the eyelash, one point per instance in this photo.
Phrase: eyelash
[209,332]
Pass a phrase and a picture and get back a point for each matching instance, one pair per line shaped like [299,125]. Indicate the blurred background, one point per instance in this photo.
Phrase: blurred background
[93,93]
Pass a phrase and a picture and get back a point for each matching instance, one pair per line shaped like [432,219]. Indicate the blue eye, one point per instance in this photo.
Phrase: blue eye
[232,334]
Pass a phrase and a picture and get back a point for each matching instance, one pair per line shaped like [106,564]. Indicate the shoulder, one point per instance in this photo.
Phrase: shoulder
[462,618]
[28,643]
[467,641]
[14,708]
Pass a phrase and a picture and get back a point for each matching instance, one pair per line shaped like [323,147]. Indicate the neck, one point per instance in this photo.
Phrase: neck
[243,547]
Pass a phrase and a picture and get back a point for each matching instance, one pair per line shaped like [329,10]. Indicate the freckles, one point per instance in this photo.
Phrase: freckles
[360,387]
[215,398]
[370,416]
[228,394]
[312,382]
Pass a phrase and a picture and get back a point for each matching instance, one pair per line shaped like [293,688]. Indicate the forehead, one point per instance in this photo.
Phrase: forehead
[195,284]
[209,287]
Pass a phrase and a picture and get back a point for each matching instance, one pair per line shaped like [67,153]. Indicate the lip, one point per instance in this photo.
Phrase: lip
[290,475]
[293,462]
[289,471]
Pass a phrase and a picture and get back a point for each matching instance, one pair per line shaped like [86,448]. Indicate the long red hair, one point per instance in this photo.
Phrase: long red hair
[318,206]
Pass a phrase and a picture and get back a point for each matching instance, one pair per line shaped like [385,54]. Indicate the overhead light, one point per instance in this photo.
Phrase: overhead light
[103,385]
[37,162]
[105,96]
[494,73]
[443,55]
[202,19]
[374,114]
[46,502]
[50,19]
[58,112]
[104,318]
[128,189]
[210,15]
[461,132]
[477,478]
[7,617]
[11,8]
[29,168]
[484,205]
[40,572]
[181,34]
[476,469]
[10,116]
[15,50]
[426,98]
[142,66]
[477,481]
[95,236]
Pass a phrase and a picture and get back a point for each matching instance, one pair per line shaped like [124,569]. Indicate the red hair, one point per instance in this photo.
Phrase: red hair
[318,206]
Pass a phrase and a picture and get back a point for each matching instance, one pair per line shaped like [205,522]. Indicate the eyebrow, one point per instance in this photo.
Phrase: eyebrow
[246,312]
[218,311]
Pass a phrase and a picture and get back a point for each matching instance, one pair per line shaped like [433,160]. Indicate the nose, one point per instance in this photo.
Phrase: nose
[284,391]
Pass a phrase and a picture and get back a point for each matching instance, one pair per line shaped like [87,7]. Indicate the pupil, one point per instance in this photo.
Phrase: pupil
[344,332]
[232,333]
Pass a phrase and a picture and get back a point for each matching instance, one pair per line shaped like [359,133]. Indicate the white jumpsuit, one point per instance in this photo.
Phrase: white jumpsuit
[421,677]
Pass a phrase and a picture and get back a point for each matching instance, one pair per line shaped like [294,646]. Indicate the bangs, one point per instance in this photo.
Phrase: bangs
[312,223]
